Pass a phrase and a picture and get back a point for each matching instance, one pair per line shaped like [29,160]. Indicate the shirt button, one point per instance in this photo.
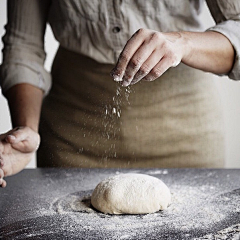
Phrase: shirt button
[116,29]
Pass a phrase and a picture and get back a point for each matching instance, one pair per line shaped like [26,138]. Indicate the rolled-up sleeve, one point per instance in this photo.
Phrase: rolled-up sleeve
[23,51]
[226,14]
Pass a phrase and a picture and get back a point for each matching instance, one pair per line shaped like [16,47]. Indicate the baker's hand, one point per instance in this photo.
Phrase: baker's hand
[17,148]
[147,55]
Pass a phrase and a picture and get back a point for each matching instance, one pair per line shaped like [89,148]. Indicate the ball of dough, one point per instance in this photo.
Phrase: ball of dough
[131,193]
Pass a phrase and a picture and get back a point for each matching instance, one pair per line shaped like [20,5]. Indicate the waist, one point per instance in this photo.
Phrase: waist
[81,78]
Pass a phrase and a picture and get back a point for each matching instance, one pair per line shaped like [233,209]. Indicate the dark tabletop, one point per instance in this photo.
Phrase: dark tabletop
[54,204]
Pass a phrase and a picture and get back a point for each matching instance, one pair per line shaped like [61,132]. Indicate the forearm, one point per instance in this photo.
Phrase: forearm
[208,51]
[148,54]
[25,103]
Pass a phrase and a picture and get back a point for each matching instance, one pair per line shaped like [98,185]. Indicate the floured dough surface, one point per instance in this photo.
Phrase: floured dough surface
[131,193]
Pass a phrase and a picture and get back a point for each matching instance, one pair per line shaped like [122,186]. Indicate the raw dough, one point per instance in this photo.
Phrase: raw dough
[131,194]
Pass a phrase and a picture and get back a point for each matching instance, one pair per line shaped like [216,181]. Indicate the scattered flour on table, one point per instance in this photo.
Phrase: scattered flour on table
[193,209]
[232,233]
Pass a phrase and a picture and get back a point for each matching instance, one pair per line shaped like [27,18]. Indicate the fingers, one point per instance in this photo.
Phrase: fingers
[130,48]
[141,63]
[1,174]
[13,136]
[17,148]
[147,55]
[23,139]
[146,67]
[2,181]
[160,68]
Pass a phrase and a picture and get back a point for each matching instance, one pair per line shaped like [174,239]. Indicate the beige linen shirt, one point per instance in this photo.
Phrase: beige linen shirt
[99,29]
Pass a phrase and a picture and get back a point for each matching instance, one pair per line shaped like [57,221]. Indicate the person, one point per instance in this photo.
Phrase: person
[162,110]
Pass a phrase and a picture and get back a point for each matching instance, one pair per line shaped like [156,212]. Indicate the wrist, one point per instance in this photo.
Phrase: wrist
[182,44]
[185,44]
[33,127]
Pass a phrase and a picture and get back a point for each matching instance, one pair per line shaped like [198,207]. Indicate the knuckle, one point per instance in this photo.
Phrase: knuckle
[173,59]
[124,57]
[141,73]
[1,162]
[116,72]
[141,31]
[165,46]
[155,36]
[144,70]
[17,134]
[1,173]
[127,78]
[4,170]
[156,72]
[136,62]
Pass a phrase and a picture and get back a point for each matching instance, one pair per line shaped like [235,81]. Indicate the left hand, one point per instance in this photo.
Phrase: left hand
[147,55]
[17,148]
